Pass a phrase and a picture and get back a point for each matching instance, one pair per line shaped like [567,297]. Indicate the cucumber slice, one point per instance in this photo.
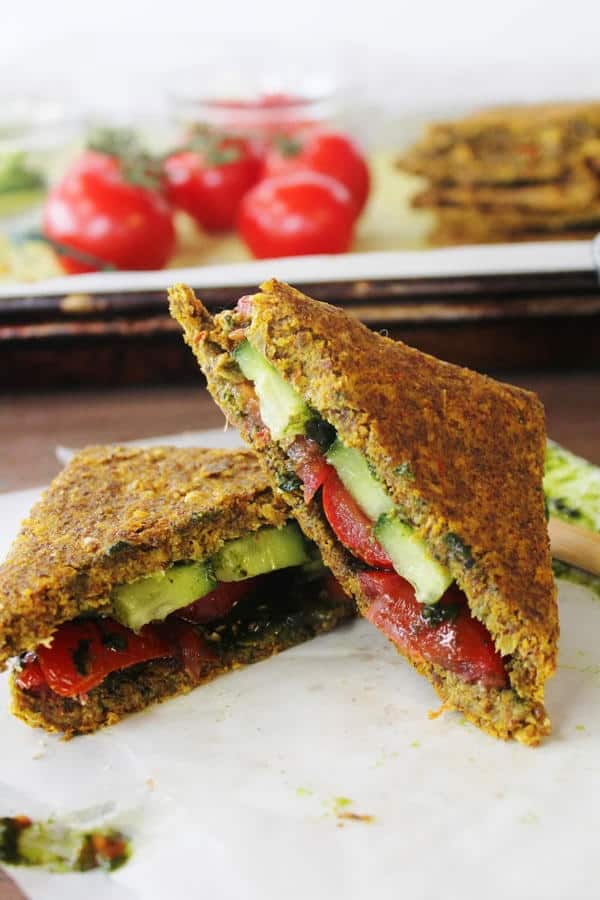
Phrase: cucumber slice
[282,409]
[412,560]
[156,596]
[262,551]
[359,481]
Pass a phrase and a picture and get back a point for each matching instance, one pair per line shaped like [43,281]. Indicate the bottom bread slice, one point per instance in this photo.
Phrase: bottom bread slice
[133,689]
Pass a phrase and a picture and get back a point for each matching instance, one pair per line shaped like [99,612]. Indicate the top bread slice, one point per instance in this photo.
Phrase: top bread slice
[115,514]
[461,455]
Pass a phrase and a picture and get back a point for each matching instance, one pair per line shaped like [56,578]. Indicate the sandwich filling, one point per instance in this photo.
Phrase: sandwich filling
[412,596]
[256,594]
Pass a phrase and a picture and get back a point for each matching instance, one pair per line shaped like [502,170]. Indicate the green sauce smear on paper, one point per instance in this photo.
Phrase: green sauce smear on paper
[61,848]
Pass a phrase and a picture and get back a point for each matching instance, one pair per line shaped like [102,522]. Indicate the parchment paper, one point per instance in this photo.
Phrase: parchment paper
[247,787]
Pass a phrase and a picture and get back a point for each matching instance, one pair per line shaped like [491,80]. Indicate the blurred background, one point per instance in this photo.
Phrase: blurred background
[378,74]
[117,56]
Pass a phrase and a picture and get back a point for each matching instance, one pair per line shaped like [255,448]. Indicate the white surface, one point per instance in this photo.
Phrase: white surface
[231,791]
[558,256]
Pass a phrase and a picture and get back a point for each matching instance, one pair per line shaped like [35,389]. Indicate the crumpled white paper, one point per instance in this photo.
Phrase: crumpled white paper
[245,789]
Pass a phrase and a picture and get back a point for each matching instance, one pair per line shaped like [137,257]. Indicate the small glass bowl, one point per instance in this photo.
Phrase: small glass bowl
[260,105]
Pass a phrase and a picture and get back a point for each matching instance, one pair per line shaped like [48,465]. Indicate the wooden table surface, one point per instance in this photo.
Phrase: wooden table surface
[32,425]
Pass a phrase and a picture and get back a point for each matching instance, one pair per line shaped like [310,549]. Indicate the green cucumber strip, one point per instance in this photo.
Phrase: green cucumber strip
[359,481]
[412,560]
[262,551]
[155,596]
[282,409]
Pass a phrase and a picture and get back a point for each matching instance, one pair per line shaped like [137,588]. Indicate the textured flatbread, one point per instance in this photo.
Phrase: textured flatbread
[507,144]
[475,451]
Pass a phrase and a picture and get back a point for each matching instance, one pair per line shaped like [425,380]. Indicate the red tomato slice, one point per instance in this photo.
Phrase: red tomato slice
[310,465]
[460,644]
[219,602]
[352,527]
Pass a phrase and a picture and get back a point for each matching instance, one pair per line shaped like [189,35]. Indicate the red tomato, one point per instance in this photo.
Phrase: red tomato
[460,644]
[297,214]
[109,220]
[219,602]
[352,527]
[209,185]
[328,152]
[310,465]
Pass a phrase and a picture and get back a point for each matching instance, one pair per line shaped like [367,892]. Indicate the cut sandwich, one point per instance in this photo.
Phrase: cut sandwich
[421,483]
[143,573]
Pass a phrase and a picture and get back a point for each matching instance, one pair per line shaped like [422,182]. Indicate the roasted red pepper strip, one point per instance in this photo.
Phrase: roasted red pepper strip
[310,465]
[83,653]
[460,644]
[352,527]
[31,677]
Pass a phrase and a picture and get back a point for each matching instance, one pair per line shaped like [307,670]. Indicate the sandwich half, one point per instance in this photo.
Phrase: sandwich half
[420,481]
[143,573]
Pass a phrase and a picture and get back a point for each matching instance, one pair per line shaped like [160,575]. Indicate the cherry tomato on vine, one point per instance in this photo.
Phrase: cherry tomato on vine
[111,213]
[297,214]
[328,152]
[209,179]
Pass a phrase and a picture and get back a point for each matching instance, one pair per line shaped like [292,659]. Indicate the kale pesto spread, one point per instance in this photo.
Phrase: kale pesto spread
[284,614]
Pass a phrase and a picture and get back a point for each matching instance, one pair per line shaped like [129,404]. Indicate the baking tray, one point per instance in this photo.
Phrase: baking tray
[489,307]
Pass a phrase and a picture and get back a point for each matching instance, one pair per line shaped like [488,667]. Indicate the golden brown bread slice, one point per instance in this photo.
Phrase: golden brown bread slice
[576,195]
[507,144]
[115,514]
[471,226]
[474,449]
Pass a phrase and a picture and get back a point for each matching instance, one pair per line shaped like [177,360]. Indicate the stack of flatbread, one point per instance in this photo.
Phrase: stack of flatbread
[511,173]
